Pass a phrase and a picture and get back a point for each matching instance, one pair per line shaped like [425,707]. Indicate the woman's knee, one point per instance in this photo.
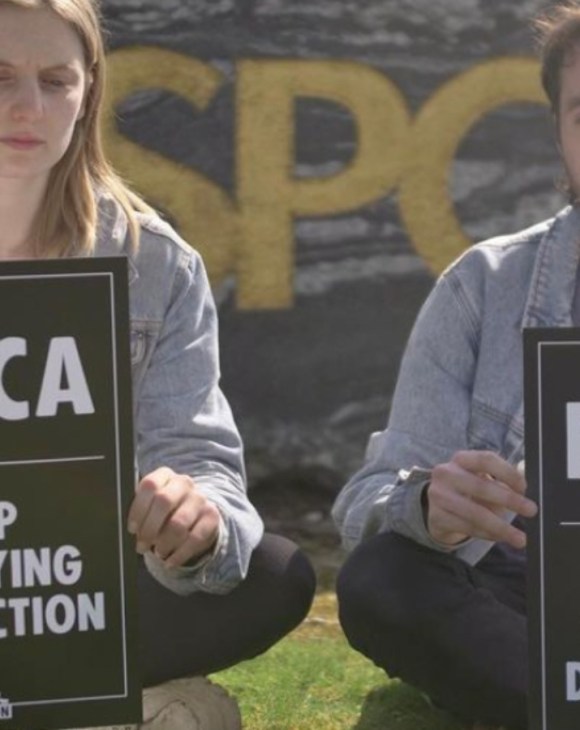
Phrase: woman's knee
[288,574]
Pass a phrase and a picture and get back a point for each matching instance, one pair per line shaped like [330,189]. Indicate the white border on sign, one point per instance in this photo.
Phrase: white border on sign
[540,345]
[541,519]
[110,276]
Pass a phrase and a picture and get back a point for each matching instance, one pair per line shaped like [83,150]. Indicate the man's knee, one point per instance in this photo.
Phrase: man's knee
[390,581]
[377,585]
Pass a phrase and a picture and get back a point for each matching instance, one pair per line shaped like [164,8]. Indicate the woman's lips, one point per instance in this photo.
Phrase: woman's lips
[21,143]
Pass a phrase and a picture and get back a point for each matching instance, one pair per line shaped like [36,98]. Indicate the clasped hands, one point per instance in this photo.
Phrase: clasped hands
[468,495]
[171,518]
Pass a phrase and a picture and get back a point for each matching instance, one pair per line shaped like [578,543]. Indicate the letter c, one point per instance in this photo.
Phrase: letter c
[11,410]
[425,204]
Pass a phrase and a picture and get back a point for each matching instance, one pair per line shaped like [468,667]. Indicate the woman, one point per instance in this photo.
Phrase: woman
[212,589]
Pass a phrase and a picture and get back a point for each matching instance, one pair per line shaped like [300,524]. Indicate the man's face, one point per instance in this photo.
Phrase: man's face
[569,118]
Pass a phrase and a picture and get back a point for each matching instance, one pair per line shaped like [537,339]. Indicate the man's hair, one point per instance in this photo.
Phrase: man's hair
[558,35]
[67,220]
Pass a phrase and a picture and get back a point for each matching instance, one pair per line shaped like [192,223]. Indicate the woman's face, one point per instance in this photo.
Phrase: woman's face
[43,85]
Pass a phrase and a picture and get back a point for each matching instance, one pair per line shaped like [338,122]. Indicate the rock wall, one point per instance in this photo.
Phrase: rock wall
[344,152]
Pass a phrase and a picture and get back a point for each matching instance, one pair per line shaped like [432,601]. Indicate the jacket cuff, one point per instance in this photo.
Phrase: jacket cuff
[405,513]
[190,577]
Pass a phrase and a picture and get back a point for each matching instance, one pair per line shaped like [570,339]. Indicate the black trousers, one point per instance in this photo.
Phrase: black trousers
[455,632]
[203,633]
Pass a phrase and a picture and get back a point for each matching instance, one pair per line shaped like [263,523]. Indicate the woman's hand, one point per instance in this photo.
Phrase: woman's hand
[171,518]
[468,495]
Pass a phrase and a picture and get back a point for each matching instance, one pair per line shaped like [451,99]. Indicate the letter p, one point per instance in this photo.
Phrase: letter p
[8,515]
[271,195]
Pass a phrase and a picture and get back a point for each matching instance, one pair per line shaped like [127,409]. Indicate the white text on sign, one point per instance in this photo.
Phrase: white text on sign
[40,567]
[62,360]
[573,439]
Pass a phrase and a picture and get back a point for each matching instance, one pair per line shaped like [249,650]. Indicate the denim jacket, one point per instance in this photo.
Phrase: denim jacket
[182,419]
[460,384]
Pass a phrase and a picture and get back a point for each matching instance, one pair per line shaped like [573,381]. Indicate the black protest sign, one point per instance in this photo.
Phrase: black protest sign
[552,445]
[67,565]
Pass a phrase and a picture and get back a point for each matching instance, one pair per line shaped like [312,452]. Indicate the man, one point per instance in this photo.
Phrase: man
[434,591]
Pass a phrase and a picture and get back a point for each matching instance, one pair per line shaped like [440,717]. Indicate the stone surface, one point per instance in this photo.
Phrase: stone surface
[308,384]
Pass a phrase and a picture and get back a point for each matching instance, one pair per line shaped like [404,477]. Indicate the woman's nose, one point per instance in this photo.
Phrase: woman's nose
[27,102]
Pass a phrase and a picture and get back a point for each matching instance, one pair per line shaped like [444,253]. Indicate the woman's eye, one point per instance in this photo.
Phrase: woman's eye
[54,83]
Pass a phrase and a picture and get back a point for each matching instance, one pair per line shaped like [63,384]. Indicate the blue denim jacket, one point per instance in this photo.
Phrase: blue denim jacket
[182,419]
[460,384]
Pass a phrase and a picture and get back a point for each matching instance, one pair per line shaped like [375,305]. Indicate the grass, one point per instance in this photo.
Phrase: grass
[312,680]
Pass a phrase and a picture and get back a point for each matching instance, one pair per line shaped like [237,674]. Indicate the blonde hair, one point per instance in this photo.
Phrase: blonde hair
[66,223]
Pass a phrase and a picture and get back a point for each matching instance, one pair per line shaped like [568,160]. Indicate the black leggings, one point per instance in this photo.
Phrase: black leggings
[202,633]
[457,633]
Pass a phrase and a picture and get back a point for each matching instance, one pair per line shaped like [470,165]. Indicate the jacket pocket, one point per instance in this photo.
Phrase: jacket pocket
[137,345]
[487,427]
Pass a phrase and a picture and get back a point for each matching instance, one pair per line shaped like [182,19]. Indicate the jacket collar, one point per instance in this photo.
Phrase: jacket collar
[551,291]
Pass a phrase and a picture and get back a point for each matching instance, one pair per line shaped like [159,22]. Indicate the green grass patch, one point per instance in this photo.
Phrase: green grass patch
[310,681]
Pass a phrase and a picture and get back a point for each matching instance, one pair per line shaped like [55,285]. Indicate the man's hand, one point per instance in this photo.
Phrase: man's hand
[468,495]
[171,518]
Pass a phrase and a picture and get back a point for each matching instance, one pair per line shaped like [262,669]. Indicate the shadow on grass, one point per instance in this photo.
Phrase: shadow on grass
[396,706]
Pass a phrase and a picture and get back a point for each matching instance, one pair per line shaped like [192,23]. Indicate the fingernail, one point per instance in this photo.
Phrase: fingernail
[141,548]
[531,509]
[132,527]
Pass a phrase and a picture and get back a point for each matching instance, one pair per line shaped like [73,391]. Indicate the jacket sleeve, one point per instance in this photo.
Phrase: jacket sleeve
[429,421]
[184,422]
